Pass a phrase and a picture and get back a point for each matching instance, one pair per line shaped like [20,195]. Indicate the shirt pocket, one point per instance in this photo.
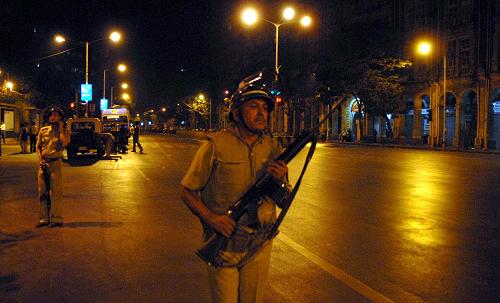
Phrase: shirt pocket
[232,171]
[232,179]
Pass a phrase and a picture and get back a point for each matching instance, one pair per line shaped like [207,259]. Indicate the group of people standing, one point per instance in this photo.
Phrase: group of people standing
[124,134]
[28,134]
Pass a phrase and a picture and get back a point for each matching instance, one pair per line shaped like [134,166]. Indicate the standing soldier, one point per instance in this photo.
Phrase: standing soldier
[135,137]
[52,140]
[225,166]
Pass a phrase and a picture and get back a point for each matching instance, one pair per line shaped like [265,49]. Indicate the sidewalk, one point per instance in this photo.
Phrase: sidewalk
[202,135]
[410,146]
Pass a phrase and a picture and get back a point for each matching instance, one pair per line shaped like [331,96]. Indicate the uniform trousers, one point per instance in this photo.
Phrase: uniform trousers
[241,285]
[50,191]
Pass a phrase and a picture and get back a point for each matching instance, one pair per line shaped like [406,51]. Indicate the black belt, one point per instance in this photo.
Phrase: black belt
[52,159]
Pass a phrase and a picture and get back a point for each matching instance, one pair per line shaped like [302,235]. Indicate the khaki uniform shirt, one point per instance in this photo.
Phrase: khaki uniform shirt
[225,167]
[49,142]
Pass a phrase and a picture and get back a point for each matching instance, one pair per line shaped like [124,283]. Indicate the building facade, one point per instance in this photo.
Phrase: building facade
[464,65]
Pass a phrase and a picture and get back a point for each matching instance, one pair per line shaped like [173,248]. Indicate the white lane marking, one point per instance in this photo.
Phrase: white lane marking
[142,174]
[339,274]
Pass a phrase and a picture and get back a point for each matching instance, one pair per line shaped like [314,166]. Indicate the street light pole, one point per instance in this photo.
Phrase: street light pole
[86,62]
[444,101]
[276,49]
[104,85]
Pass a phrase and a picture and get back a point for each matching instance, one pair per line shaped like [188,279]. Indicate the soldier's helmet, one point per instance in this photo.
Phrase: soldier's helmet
[252,87]
[52,108]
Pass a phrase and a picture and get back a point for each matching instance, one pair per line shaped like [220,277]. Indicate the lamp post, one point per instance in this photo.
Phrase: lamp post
[114,37]
[250,17]
[424,48]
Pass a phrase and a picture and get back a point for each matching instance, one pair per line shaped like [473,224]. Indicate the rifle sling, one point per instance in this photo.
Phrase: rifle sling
[295,189]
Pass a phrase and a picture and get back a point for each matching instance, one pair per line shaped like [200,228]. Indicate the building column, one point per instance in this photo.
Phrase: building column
[417,121]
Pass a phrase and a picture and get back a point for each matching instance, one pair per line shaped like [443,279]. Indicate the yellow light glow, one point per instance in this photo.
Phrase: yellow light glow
[125,96]
[164,109]
[201,96]
[305,21]
[59,39]
[122,67]
[124,85]
[249,16]
[9,85]
[115,36]
[424,48]
[288,13]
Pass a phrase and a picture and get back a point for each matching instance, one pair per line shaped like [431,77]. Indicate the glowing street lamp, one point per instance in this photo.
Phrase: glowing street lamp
[114,37]
[250,17]
[122,68]
[305,21]
[288,13]
[124,85]
[9,85]
[424,48]
[59,39]
[125,96]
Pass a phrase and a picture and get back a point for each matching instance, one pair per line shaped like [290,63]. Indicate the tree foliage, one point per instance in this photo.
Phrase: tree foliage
[363,61]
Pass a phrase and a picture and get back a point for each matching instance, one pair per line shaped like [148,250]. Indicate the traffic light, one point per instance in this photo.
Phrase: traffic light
[275,89]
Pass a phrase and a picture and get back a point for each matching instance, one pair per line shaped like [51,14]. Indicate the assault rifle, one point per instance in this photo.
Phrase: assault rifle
[263,187]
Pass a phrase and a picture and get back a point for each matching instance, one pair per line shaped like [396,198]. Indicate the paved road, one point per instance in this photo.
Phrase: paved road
[369,224]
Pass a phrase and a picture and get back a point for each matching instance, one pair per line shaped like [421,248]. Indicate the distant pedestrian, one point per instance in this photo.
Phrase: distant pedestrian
[33,132]
[51,141]
[2,131]
[23,139]
[135,137]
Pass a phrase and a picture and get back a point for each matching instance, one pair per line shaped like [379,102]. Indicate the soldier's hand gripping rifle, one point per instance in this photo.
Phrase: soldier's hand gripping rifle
[263,187]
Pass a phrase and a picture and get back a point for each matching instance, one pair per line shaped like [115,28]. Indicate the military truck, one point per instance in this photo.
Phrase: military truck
[86,137]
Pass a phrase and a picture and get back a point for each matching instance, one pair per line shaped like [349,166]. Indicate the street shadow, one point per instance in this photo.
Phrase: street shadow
[7,283]
[82,161]
[93,224]
[8,240]
[19,153]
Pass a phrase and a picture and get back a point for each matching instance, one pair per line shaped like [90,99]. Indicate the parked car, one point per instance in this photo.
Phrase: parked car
[85,137]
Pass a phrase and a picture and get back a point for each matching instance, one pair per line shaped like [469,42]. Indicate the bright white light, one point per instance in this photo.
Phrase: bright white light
[115,36]
[424,48]
[249,16]
[149,122]
[9,85]
[59,39]
[288,13]
[306,21]
[122,67]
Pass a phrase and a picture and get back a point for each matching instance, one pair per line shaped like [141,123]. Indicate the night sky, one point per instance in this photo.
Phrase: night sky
[173,48]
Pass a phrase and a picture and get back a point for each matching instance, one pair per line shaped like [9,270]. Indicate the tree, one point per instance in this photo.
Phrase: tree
[364,61]
[199,107]
[381,89]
